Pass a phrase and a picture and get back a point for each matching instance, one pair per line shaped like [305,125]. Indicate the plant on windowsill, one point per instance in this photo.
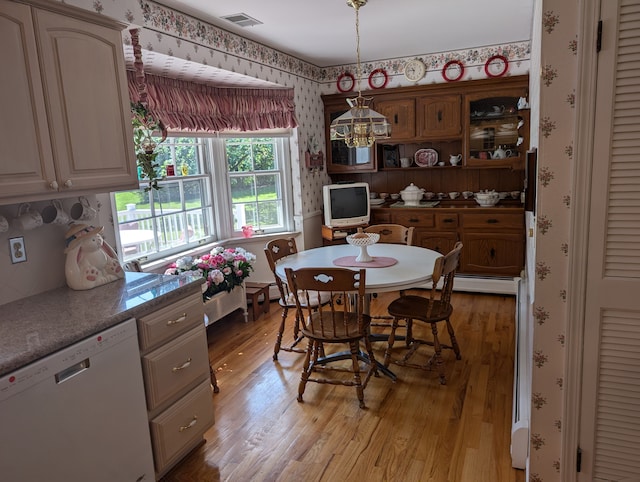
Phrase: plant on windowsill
[144,125]
[223,269]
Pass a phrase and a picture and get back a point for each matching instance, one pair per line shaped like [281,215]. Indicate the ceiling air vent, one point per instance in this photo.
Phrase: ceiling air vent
[242,20]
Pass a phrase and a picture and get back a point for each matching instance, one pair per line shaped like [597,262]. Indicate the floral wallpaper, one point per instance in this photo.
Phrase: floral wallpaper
[558,78]
[189,38]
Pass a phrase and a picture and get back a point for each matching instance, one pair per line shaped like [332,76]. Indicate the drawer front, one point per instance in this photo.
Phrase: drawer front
[175,366]
[493,221]
[181,426]
[446,221]
[417,219]
[166,323]
[440,241]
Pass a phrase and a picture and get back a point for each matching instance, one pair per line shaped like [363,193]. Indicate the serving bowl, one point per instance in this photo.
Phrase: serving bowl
[411,195]
[487,198]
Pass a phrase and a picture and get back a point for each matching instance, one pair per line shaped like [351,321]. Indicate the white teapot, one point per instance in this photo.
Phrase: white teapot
[500,153]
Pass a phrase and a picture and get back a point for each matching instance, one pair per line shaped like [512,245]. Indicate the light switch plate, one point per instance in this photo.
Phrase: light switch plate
[17,250]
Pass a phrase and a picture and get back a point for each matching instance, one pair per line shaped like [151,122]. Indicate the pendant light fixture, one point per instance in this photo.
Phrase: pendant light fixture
[360,126]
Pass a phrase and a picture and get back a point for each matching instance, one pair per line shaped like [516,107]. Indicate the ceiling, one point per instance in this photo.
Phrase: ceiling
[322,32]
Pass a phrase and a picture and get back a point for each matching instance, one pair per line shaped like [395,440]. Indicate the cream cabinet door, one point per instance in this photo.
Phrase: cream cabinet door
[88,101]
[26,161]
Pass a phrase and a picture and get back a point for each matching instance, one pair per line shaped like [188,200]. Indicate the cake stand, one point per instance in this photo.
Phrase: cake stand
[362,243]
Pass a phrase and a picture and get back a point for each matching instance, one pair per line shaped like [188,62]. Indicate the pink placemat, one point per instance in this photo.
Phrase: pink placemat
[378,262]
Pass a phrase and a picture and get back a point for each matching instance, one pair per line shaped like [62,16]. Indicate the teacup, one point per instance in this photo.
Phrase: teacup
[55,214]
[405,162]
[395,196]
[515,194]
[454,194]
[429,195]
[28,218]
[441,195]
[373,195]
[384,195]
[82,210]
[467,194]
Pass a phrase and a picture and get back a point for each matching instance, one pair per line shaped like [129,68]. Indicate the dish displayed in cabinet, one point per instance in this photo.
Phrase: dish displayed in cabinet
[426,157]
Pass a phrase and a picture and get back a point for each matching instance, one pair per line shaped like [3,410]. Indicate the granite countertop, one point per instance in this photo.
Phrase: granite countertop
[34,327]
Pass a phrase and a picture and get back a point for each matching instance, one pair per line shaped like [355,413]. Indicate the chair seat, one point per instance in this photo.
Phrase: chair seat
[344,332]
[417,308]
[315,299]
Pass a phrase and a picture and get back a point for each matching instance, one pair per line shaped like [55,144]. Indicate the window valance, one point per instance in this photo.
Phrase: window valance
[191,106]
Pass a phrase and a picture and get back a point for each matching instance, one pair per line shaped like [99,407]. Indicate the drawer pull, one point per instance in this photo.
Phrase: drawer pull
[448,220]
[191,424]
[179,320]
[183,366]
[492,221]
[493,253]
[413,220]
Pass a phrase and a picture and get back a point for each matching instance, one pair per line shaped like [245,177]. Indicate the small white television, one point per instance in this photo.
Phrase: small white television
[346,204]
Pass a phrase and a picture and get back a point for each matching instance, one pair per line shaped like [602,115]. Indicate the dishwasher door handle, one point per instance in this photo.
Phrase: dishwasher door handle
[68,373]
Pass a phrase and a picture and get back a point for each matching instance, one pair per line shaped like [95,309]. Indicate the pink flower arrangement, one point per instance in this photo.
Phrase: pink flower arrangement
[223,269]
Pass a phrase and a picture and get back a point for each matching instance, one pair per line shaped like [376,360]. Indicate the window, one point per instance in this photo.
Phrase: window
[255,180]
[213,187]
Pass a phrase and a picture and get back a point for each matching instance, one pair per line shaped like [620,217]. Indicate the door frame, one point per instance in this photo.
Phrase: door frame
[589,14]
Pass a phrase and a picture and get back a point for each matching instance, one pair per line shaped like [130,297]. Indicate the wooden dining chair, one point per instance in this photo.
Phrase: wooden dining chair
[392,233]
[275,250]
[433,309]
[333,323]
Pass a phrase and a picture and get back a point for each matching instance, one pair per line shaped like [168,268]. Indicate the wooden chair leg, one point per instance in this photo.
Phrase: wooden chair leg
[307,367]
[278,344]
[353,345]
[390,342]
[437,356]
[454,342]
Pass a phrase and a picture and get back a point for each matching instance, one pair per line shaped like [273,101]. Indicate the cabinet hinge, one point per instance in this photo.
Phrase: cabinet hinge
[579,460]
[599,37]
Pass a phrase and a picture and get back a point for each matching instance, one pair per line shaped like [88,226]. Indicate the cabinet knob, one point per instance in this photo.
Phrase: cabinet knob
[448,220]
[492,253]
[413,220]
[54,185]
[492,221]
[68,183]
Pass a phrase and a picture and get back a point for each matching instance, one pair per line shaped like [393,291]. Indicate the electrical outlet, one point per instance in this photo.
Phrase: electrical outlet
[17,250]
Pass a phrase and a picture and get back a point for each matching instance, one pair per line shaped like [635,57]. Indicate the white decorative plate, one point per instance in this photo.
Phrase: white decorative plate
[426,157]
[376,202]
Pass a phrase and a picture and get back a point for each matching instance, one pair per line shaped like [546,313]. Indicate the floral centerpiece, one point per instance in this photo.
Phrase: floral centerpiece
[223,269]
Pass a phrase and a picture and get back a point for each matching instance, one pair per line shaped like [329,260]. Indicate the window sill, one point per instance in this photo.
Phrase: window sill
[160,265]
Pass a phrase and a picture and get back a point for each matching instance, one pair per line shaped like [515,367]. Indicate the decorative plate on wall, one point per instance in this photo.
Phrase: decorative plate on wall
[496,66]
[426,157]
[378,79]
[453,70]
[345,82]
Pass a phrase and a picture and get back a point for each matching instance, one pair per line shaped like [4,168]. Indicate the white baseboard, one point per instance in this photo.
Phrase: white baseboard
[476,284]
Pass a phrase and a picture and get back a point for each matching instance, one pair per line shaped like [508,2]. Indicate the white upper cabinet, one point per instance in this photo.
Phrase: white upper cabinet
[66,123]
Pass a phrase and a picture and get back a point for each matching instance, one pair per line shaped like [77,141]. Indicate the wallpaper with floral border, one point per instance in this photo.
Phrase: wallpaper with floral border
[558,81]
[176,34]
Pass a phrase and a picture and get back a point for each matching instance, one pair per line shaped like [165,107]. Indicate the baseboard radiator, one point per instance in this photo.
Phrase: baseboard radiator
[521,380]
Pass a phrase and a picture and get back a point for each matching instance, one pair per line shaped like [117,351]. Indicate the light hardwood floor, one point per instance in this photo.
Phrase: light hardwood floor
[412,430]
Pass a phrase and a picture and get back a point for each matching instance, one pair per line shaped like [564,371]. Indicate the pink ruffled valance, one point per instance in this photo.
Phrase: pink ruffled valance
[191,106]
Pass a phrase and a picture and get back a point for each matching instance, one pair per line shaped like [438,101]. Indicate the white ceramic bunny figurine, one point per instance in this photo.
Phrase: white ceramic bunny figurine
[90,260]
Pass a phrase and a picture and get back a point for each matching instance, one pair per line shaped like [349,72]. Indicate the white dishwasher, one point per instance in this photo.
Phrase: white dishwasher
[78,415]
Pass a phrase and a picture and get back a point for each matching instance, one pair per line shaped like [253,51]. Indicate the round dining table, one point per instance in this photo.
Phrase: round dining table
[412,265]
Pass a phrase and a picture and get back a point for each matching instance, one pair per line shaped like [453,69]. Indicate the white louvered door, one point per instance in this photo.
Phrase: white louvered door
[610,417]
